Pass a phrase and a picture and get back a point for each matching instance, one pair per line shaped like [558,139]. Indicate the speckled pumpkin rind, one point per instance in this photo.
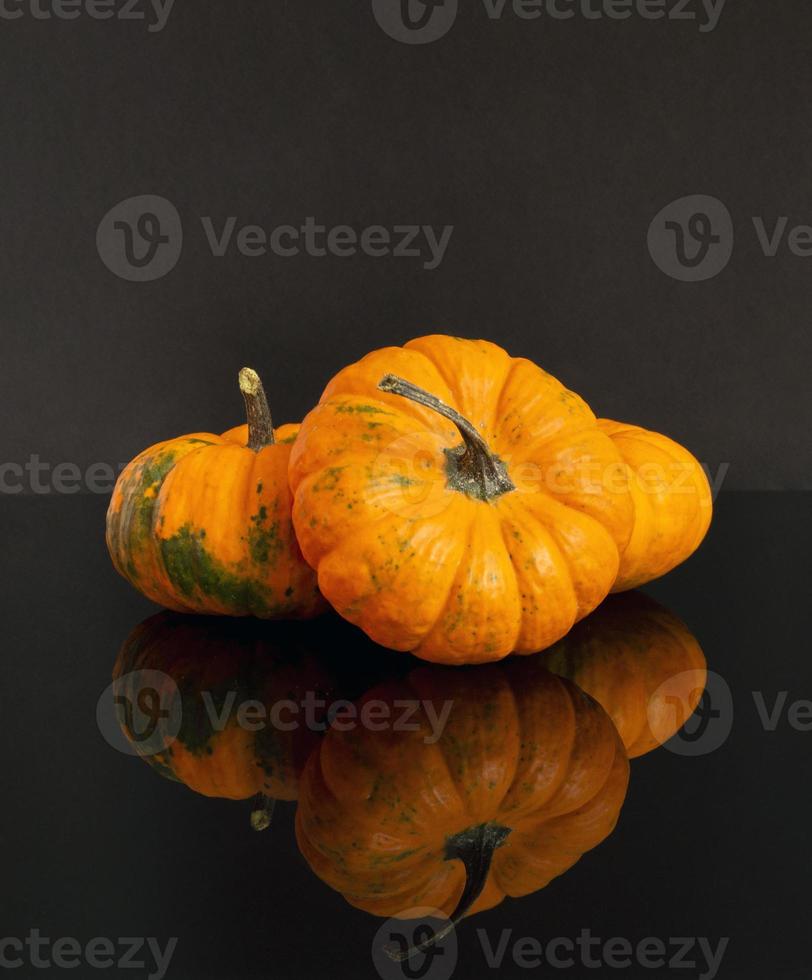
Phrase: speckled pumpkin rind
[202,524]
[672,499]
[421,566]
[521,749]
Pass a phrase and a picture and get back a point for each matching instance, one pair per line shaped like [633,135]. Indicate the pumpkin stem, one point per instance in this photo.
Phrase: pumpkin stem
[474,847]
[262,813]
[260,426]
[472,468]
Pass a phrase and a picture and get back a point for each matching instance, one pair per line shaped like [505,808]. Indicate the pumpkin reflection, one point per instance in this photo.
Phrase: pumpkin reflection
[441,787]
[528,771]
[525,774]
[640,662]
[216,669]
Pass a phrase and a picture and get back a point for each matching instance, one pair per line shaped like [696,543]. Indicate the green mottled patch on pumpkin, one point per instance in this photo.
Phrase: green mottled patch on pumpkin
[264,541]
[194,572]
[329,480]
[377,860]
[132,525]
[348,409]
[272,754]
[203,720]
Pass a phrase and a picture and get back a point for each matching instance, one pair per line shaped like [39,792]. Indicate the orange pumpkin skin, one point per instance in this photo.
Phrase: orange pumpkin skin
[209,669]
[640,662]
[673,504]
[422,560]
[522,751]
[202,524]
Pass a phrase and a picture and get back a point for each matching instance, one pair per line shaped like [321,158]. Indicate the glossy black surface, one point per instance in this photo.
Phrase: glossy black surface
[96,845]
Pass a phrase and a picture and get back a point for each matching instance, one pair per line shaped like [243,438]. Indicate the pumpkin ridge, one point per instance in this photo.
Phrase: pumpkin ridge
[500,524]
[391,353]
[517,725]
[602,721]
[452,578]
[455,779]
[445,609]
[396,525]
[572,744]
[519,514]
[548,526]
[586,420]
[519,519]
[552,528]
[514,815]
[366,821]
[452,382]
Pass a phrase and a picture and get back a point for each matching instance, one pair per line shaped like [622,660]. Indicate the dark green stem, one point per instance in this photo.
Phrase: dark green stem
[260,425]
[472,468]
[474,847]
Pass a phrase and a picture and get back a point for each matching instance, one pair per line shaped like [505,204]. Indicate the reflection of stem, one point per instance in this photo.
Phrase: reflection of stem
[262,813]
[474,847]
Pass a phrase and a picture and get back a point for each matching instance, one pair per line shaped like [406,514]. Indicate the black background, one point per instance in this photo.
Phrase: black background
[549,145]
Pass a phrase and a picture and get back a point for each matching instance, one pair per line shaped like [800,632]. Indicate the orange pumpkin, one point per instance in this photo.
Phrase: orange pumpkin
[204,673]
[672,503]
[640,662]
[458,502]
[202,523]
[525,775]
